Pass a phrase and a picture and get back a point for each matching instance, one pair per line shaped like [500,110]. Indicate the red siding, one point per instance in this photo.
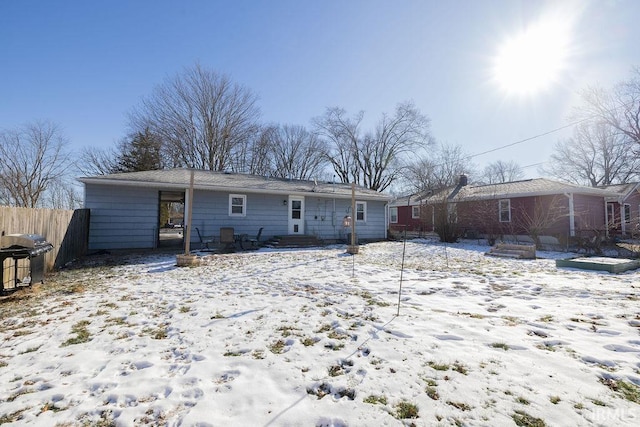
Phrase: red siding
[549,214]
[589,214]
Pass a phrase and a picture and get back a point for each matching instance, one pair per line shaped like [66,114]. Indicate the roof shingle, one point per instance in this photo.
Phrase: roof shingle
[232,182]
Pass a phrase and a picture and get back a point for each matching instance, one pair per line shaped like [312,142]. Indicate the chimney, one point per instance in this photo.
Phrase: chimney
[462,181]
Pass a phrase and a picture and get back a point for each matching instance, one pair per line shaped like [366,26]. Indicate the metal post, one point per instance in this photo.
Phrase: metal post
[353,248]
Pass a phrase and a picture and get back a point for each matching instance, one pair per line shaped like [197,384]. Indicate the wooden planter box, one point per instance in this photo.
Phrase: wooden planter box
[612,265]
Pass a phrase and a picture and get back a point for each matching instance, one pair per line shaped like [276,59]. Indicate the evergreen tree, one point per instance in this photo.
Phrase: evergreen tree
[140,152]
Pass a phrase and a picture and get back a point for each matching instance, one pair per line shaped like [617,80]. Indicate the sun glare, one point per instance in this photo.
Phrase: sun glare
[533,60]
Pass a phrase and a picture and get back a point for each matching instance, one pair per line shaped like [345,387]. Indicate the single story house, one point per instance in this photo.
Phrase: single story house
[125,207]
[539,207]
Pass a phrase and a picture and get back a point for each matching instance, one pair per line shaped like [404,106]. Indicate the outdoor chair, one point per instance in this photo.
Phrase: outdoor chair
[228,238]
[247,243]
[205,241]
[255,242]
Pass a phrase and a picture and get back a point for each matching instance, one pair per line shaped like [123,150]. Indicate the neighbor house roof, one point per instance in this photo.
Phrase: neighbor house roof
[231,182]
[506,190]
[622,190]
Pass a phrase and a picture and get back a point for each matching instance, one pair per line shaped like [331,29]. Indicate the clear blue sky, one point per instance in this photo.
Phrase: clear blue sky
[85,64]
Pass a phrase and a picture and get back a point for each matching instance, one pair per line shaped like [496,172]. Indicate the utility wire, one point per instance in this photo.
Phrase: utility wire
[530,138]
[577,122]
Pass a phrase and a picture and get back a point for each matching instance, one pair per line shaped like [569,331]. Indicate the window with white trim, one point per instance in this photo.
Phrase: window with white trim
[452,211]
[415,212]
[393,215]
[627,213]
[504,210]
[361,211]
[237,205]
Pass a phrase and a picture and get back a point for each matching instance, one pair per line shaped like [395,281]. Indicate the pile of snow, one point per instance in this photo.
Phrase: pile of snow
[311,338]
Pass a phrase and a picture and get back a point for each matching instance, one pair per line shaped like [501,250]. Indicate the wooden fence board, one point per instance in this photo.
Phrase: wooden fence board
[66,230]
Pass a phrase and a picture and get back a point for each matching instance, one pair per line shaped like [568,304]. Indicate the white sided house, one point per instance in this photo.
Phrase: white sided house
[125,207]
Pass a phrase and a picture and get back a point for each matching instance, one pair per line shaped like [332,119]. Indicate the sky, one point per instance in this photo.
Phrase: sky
[86,65]
[311,337]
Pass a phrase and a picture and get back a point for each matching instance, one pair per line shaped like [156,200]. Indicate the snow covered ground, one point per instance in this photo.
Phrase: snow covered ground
[311,338]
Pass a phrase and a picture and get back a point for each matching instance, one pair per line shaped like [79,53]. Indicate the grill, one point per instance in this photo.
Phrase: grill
[22,257]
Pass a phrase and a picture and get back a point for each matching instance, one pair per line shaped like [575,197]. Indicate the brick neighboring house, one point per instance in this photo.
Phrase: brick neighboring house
[522,209]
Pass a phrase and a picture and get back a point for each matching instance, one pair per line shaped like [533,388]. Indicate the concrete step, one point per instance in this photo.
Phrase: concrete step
[295,241]
[513,251]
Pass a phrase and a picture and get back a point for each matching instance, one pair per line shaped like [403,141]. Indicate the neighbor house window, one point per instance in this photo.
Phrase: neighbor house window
[452,211]
[627,213]
[415,212]
[361,211]
[504,210]
[393,215]
[237,205]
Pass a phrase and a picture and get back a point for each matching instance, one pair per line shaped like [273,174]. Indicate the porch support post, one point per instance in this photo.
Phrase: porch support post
[188,259]
[187,243]
[353,248]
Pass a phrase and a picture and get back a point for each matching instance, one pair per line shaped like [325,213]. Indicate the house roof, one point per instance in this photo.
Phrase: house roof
[623,190]
[232,182]
[524,188]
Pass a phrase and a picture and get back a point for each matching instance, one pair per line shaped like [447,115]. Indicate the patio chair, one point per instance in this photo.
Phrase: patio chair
[255,242]
[204,241]
[247,243]
[228,238]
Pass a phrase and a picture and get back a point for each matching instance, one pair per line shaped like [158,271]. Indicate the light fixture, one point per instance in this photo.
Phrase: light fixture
[284,202]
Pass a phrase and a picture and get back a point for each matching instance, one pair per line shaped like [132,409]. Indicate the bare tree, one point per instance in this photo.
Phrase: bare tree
[63,195]
[201,117]
[32,159]
[253,156]
[373,159]
[502,171]
[296,152]
[342,135]
[619,108]
[441,169]
[596,154]
[97,161]
[445,218]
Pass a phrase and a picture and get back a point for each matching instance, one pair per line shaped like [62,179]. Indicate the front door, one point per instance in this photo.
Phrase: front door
[296,215]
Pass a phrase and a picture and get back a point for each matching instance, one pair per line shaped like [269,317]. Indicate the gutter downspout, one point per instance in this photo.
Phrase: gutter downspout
[572,216]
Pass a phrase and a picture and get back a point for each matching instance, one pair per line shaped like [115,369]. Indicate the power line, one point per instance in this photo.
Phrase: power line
[532,165]
[529,138]
[577,122]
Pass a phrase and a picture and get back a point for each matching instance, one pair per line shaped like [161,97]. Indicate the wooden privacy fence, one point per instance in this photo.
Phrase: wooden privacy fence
[66,230]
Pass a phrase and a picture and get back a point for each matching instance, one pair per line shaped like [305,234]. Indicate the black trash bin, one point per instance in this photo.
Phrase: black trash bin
[22,258]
